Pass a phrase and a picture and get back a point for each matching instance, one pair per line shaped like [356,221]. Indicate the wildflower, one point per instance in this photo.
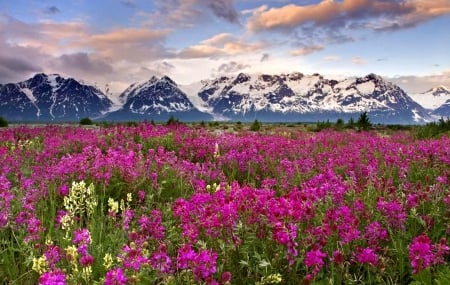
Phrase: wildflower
[81,200]
[338,257]
[375,233]
[225,278]
[394,213]
[52,255]
[40,264]
[271,279]
[56,277]
[161,261]
[314,258]
[420,253]
[440,250]
[367,256]
[107,261]
[86,260]
[186,255]
[113,206]
[205,264]
[115,277]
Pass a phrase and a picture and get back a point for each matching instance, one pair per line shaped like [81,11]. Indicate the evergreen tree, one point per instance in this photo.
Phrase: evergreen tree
[363,122]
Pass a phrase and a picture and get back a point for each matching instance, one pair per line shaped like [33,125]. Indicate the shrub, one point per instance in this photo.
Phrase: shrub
[363,122]
[86,121]
[256,126]
[172,121]
[3,122]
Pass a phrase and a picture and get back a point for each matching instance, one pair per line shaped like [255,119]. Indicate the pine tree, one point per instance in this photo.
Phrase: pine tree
[363,122]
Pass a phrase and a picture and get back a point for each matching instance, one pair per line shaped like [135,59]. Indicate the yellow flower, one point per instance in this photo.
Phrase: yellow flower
[39,264]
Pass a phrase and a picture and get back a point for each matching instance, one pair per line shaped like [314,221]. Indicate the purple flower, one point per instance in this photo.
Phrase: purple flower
[55,277]
[205,264]
[420,253]
[367,255]
[186,255]
[82,236]
[115,277]
[314,258]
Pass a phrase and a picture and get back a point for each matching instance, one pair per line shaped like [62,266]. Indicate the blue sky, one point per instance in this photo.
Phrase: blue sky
[119,42]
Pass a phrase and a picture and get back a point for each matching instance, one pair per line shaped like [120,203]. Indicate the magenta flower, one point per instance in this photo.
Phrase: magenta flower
[314,258]
[55,277]
[367,255]
[161,261]
[420,253]
[186,255]
[205,264]
[115,277]
[82,236]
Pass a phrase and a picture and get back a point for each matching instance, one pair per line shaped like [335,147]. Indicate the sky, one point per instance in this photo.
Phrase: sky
[119,42]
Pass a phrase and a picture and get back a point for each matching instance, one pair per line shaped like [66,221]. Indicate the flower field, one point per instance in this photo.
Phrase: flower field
[152,204]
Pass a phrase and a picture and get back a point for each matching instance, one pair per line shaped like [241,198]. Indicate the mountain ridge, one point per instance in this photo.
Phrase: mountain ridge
[267,97]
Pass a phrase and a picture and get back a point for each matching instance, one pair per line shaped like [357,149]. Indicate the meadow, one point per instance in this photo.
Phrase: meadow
[146,204]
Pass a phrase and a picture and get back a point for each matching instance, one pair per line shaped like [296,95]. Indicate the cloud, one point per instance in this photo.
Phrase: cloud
[82,62]
[12,69]
[358,60]
[187,13]
[306,50]
[332,58]
[199,51]
[128,3]
[52,10]
[223,44]
[224,9]
[264,57]
[231,67]
[394,14]
[419,84]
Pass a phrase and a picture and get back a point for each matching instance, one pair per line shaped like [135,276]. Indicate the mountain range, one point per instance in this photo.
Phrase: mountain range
[243,97]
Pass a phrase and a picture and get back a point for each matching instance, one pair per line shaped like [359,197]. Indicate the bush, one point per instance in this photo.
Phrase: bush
[339,125]
[363,122]
[172,121]
[3,122]
[86,121]
[433,129]
[256,126]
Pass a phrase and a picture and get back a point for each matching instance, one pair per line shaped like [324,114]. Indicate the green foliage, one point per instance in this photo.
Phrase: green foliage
[323,125]
[172,121]
[339,125]
[86,121]
[350,123]
[3,122]
[363,122]
[256,126]
[433,129]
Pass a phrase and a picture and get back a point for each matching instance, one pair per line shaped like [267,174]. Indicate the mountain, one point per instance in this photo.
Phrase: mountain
[433,98]
[157,98]
[443,110]
[51,98]
[299,97]
[294,97]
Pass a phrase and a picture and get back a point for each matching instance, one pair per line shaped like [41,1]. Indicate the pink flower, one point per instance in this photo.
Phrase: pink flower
[52,278]
[314,258]
[420,253]
[367,256]
[115,277]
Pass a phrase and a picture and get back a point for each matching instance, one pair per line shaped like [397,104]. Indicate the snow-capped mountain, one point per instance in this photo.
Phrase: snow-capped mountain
[157,98]
[299,97]
[51,98]
[433,98]
[283,97]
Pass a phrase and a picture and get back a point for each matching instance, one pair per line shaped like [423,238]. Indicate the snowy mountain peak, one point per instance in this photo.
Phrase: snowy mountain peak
[51,98]
[438,91]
